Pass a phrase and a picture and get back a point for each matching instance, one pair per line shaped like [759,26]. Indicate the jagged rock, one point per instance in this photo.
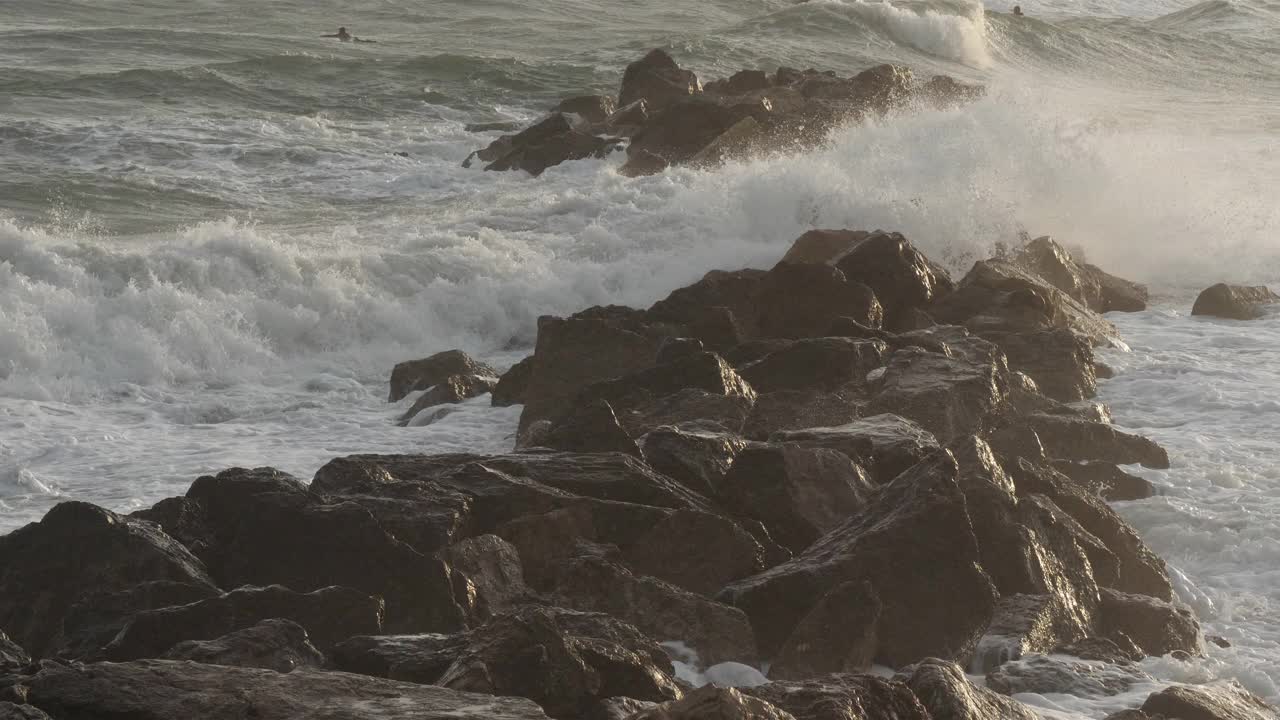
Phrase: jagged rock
[453,389]
[1085,283]
[255,527]
[605,476]
[513,384]
[1234,302]
[1218,701]
[948,695]
[642,163]
[838,635]
[1132,715]
[1109,481]
[619,708]
[815,364]
[714,703]
[740,83]
[823,246]
[1218,640]
[594,109]
[801,300]
[628,119]
[1022,624]
[674,348]
[547,144]
[789,410]
[682,128]
[11,654]
[843,697]
[693,455]
[1159,627]
[717,632]
[948,396]
[275,644]
[691,405]
[745,138]
[1076,439]
[734,291]
[494,566]
[886,445]
[565,661]
[727,552]
[330,615]
[1042,674]
[658,80]
[497,126]
[1118,651]
[798,493]
[97,617]
[78,548]
[591,428]
[945,92]
[703,371]
[901,276]
[416,375]
[1060,361]
[9,711]
[166,689]
[915,535]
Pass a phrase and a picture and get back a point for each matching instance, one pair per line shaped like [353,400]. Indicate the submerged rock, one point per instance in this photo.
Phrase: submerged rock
[1234,302]
[408,377]
[453,389]
[1042,674]
[1219,701]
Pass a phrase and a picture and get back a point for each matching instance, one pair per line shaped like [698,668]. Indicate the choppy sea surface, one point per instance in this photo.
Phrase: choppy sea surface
[211,253]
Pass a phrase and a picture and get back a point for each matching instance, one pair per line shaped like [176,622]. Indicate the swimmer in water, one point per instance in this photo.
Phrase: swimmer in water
[342,35]
[1017,11]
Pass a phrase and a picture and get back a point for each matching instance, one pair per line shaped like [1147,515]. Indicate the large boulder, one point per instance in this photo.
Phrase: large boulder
[513,384]
[565,661]
[1159,627]
[408,377]
[691,405]
[714,703]
[275,644]
[1060,361]
[693,455]
[658,80]
[840,634]
[816,364]
[843,697]
[802,300]
[10,711]
[886,445]
[1234,302]
[948,695]
[823,246]
[728,551]
[901,276]
[167,689]
[453,389]
[259,527]
[547,144]
[1219,701]
[329,615]
[684,129]
[914,537]
[798,493]
[11,654]
[595,109]
[783,411]
[591,427]
[78,548]
[635,392]
[98,617]
[948,396]
[733,292]
[1085,283]
[1107,480]
[1076,439]
[493,565]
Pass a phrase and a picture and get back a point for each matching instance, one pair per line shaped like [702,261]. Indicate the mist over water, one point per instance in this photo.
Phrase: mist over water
[210,254]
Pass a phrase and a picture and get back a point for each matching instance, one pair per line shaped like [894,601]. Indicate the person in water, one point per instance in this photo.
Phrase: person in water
[1017,11]
[344,36]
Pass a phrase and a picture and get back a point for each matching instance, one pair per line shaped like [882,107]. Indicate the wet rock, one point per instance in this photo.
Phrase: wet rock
[734,291]
[590,428]
[628,119]
[10,711]
[703,371]
[788,410]
[915,535]
[547,144]
[166,689]
[499,126]
[79,548]
[642,163]
[815,364]
[843,697]
[408,377]
[97,617]
[11,655]
[565,661]
[604,476]
[798,493]
[901,276]
[674,348]
[1118,650]
[682,128]
[658,80]
[714,703]
[823,246]
[1217,701]
[1234,302]
[886,445]
[275,644]
[1023,624]
[803,300]
[619,708]
[1118,295]
[1046,258]
[948,396]
[1060,361]
[694,455]
[453,389]
[1042,675]
[329,615]
[1109,481]
[728,412]
[944,92]
[494,566]
[594,109]
[948,695]
[257,527]
[1159,627]
[513,384]
[1218,640]
[743,139]
[838,635]
[717,632]
[727,552]
[1073,438]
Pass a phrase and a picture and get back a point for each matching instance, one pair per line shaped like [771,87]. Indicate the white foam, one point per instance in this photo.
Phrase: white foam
[961,37]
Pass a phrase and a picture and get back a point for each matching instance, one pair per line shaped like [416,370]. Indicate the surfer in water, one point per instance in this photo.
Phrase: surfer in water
[344,36]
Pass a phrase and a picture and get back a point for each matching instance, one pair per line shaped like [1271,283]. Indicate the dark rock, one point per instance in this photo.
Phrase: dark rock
[843,697]
[735,291]
[642,163]
[743,139]
[592,108]
[256,527]
[565,661]
[9,711]
[728,412]
[1046,258]
[692,455]
[682,128]
[1132,715]
[1234,302]
[1109,481]
[1159,627]
[492,127]
[1060,361]
[166,689]
[547,144]
[628,119]
[97,617]
[78,548]
[717,632]
[604,476]
[1022,624]
[915,535]
[726,552]
[823,246]
[802,300]
[618,708]
[948,695]
[591,428]
[658,80]
[1118,295]
[674,348]
[901,276]
[408,377]
[798,493]
[816,364]
[886,445]
[840,634]
[703,371]
[1218,701]
[453,389]
[513,384]
[1103,370]
[944,92]
[329,615]
[1043,675]
[1218,640]
[494,566]
[714,703]
[1118,651]
[948,396]
[745,81]
[11,655]
[1068,438]
[789,410]
[276,644]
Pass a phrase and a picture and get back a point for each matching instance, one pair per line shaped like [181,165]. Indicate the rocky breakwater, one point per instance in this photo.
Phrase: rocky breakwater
[664,115]
[850,459]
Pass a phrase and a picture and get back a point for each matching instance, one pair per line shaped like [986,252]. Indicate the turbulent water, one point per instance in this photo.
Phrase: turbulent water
[211,253]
